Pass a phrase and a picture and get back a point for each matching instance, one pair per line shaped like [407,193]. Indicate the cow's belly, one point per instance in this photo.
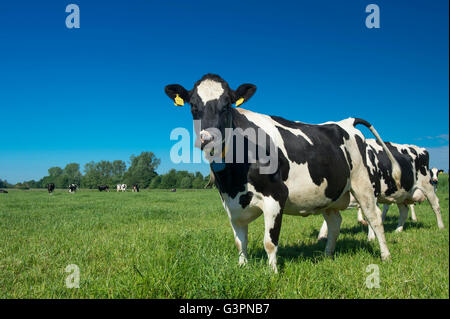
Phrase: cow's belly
[388,197]
[305,197]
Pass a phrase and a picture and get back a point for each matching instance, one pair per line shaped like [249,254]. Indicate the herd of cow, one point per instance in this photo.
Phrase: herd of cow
[73,188]
[321,168]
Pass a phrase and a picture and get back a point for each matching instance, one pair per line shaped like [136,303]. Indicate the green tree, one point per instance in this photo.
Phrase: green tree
[156,182]
[71,174]
[186,182]
[4,184]
[119,168]
[91,176]
[169,180]
[198,182]
[142,169]
[55,176]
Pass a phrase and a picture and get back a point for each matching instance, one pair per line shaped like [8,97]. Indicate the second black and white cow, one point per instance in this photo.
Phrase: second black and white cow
[50,188]
[415,185]
[136,188]
[103,188]
[72,188]
[434,172]
[2,191]
[317,166]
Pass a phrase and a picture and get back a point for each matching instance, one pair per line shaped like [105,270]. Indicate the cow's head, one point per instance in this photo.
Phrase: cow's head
[211,102]
[435,174]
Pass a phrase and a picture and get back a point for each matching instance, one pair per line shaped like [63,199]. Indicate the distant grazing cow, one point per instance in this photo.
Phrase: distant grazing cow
[50,188]
[72,188]
[3,191]
[103,188]
[435,176]
[415,183]
[173,190]
[136,188]
[281,166]
[121,187]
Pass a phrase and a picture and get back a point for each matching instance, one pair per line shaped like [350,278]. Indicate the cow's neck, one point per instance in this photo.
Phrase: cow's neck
[231,178]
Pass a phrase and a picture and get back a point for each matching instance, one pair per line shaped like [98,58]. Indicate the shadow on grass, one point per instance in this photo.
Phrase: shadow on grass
[315,252]
[390,225]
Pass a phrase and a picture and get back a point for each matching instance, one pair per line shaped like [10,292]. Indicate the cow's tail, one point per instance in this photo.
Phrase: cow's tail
[396,170]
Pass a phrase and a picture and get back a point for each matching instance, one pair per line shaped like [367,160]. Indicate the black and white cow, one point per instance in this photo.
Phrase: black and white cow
[103,188]
[3,191]
[136,188]
[435,177]
[72,188]
[50,188]
[317,166]
[415,185]
[121,187]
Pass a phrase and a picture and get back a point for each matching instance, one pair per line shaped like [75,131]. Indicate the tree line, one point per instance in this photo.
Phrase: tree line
[142,171]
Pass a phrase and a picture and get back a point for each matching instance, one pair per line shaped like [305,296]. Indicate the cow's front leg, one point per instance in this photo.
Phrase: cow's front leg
[272,221]
[241,241]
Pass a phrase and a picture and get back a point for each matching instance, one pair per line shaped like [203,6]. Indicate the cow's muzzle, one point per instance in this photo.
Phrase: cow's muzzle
[208,139]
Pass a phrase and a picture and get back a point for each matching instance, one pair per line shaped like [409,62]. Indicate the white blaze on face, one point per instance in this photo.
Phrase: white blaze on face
[209,90]
[434,174]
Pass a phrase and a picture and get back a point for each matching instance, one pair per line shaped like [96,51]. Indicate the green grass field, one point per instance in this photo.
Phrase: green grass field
[158,244]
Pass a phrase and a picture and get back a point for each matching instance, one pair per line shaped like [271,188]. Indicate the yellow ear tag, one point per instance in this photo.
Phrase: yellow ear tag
[179,101]
[240,101]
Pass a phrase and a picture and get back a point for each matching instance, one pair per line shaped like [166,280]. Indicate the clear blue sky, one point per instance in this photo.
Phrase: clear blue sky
[75,95]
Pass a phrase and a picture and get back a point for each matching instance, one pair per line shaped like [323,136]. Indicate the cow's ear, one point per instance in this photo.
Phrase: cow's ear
[177,93]
[243,93]
[440,171]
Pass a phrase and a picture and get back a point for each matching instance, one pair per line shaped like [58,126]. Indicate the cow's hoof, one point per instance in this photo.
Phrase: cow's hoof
[414,220]
[322,238]
[399,229]
[386,258]
[329,255]
[274,269]
[242,261]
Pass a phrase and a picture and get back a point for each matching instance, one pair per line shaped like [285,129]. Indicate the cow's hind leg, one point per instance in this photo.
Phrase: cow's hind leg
[385,210]
[403,209]
[360,217]
[365,197]
[413,213]
[323,233]
[241,241]
[434,201]
[273,213]
[333,220]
